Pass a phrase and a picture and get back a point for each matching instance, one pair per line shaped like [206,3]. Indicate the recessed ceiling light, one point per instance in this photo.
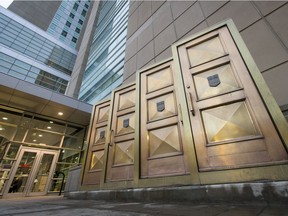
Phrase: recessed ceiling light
[5,118]
[34,140]
[1,128]
[48,127]
[40,135]
[51,122]
[60,113]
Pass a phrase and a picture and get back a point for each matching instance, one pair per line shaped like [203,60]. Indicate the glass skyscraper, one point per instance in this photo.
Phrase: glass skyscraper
[68,21]
[30,54]
[104,69]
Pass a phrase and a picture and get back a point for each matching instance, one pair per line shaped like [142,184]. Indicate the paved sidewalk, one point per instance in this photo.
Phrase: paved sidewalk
[56,206]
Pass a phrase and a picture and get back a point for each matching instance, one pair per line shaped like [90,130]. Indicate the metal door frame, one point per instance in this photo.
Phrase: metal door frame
[34,170]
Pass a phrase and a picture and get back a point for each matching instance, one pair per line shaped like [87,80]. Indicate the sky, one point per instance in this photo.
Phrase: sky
[5,3]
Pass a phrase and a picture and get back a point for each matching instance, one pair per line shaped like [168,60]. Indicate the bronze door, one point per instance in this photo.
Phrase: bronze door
[95,156]
[230,125]
[122,127]
[161,138]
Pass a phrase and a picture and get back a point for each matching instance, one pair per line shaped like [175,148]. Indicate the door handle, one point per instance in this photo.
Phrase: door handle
[111,137]
[190,103]
[180,114]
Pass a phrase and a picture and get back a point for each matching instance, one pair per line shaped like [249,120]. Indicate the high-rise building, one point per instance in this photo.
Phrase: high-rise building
[103,66]
[39,124]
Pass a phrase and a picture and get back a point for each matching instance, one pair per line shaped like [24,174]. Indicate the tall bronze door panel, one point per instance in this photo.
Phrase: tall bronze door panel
[230,125]
[161,135]
[98,134]
[120,162]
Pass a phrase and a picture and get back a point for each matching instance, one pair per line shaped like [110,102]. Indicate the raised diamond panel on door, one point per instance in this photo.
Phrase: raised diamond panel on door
[227,82]
[126,100]
[228,122]
[205,51]
[126,124]
[97,160]
[164,141]
[159,79]
[167,104]
[124,153]
[103,114]
[100,135]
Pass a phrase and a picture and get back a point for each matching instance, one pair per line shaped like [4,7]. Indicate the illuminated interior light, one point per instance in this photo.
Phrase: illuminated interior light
[60,113]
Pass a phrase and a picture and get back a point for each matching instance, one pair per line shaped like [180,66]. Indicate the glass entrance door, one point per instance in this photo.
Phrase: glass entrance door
[32,172]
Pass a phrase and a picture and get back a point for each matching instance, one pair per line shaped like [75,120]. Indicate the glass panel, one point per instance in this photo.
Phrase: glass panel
[73,130]
[228,122]
[13,150]
[69,156]
[43,138]
[45,124]
[216,81]
[73,142]
[22,128]
[23,172]
[41,179]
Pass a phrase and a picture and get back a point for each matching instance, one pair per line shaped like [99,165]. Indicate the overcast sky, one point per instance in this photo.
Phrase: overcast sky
[5,3]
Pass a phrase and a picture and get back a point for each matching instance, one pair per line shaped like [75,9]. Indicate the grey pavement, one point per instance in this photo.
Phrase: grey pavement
[56,206]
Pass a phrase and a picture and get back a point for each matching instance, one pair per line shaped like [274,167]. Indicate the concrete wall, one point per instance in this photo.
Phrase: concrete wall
[155,25]
[40,13]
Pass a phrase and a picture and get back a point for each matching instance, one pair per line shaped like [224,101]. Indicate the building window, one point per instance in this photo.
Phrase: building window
[86,6]
[83,13]
[80,22]
[72,15]
[75,7]
[64,33]
[68,24]
[77,30]
[74,39]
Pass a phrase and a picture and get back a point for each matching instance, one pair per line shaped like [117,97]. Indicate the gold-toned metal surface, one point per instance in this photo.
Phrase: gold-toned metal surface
[103,114]
[228,111]
[120,152]
[227,81]
[127,100]
[164,140]
[94,164]
[228,122]
[124,153]
[169,107]
[97,160]
[159,79]
[205,51]
[161,129]
[100,135]
[126,123]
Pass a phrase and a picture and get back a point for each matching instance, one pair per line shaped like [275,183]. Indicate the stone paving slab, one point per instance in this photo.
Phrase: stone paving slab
[60,206]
